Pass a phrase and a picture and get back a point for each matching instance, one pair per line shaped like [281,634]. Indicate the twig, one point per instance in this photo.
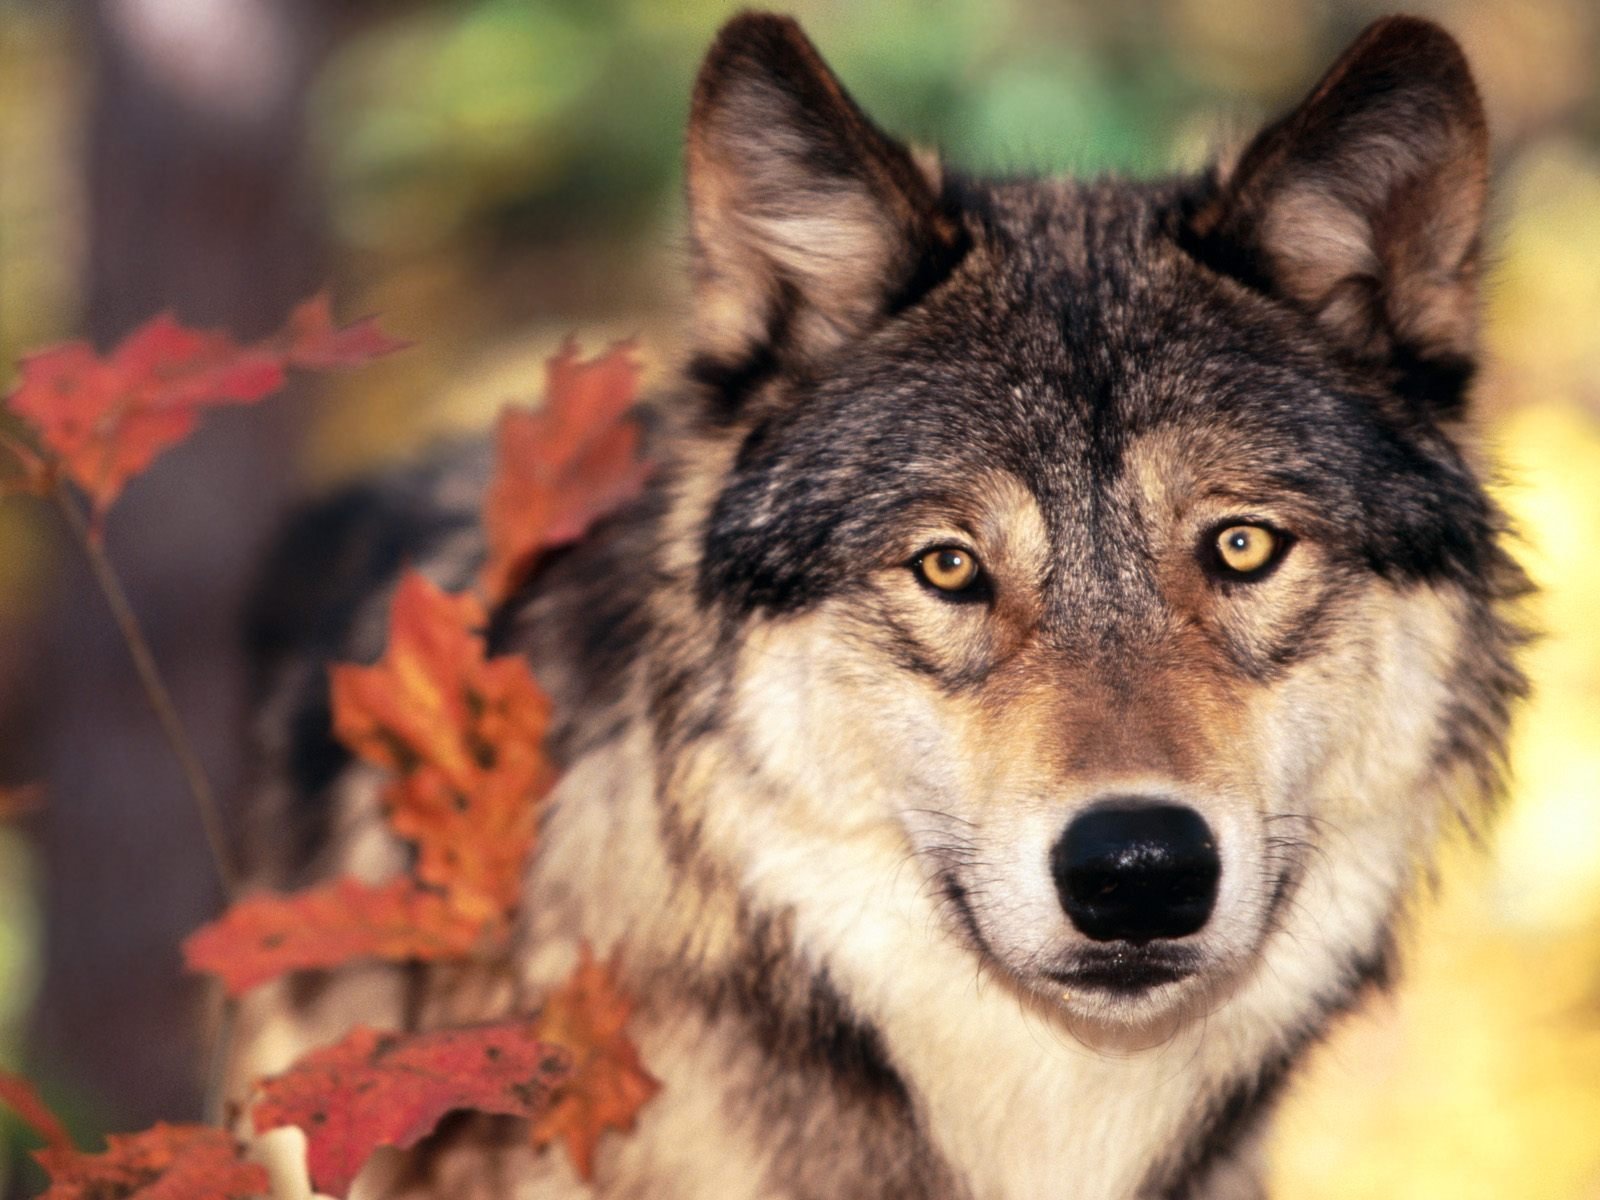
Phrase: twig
[155,688]
[216,1094]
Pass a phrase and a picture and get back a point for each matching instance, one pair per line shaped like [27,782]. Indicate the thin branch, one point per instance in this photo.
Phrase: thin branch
[216,1094]
[155,688]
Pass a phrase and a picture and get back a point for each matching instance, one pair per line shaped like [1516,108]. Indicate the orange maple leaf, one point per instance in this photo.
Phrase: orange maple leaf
[166,1162]
[103,420]
[381,1089]
[562,467]
[268,935]
[464,732]
[588,1016]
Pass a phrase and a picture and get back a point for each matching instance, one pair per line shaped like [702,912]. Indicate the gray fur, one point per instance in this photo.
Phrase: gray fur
[806,794]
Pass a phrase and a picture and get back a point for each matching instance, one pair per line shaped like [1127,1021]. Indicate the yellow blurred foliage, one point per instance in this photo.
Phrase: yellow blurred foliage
[1482,1078]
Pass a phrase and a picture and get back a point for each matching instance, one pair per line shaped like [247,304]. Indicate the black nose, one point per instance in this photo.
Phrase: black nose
[1134,871]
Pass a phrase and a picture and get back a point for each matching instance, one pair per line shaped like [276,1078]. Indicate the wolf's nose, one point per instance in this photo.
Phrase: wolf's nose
[1134,871]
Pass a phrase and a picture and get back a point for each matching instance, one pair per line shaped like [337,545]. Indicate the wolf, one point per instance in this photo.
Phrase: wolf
[1067,620]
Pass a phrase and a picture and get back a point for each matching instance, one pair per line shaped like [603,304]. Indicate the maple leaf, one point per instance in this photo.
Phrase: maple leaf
[312,342]
[267,935]
[588,1016]
[165,1162]
[560,468]
[464,732]
[19,1096]
[381,1089]
[103,420]
[19,801]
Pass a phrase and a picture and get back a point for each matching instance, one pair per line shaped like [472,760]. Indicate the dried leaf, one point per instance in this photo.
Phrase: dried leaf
[166,1162]
[465,734]
[19,1096]
[382,1089]
[588,1017]
[268,935]
[104,420]
[562,467]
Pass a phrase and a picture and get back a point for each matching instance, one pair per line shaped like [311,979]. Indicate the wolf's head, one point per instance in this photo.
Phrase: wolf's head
[1105,552]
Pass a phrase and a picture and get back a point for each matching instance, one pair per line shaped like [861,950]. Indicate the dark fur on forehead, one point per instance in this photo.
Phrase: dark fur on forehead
[1077,323]
[1081,315]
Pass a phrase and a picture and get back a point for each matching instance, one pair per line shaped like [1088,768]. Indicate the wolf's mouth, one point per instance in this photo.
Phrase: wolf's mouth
[1126,971]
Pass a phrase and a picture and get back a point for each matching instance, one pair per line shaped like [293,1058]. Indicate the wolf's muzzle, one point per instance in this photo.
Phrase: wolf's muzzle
[1132,870]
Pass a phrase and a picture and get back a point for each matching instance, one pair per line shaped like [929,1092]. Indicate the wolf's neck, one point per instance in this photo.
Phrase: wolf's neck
[1013,1100]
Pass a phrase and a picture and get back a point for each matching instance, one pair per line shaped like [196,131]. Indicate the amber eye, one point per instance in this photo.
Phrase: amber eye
[1245,549]
[948,568]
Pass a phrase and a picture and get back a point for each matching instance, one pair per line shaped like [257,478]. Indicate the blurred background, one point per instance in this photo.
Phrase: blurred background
[493,174]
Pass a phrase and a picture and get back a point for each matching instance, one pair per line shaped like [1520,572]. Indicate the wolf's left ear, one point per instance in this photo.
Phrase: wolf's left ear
[1365,205]
[808,223]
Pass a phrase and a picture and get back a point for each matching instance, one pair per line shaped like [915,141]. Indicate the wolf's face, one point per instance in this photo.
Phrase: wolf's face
[1103,551]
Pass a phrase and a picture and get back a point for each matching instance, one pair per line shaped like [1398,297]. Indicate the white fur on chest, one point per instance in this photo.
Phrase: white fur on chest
[1018,1106]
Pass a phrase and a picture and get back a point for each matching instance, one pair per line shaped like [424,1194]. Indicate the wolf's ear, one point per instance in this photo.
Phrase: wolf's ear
[1364,206]
[808,223]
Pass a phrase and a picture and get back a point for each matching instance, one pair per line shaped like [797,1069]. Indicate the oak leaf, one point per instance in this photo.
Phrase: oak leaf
[381,1089]
[165,1162]
[560,468]
[267,935]
[103,420]
[588,1017]
[464,734]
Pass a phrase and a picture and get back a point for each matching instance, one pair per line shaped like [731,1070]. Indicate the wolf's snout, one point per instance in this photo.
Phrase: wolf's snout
[1134,871]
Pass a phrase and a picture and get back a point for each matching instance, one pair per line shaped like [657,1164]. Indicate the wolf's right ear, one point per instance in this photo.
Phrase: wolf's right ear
[808,223]
[1364,207]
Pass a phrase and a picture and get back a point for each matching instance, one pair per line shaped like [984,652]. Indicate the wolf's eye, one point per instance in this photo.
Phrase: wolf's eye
[948,568]
[1247,549]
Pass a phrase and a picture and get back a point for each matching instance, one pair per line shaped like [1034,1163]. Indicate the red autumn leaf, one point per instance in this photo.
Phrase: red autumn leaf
[562,467]
[382,1089]
[312,342]
[166,1162]
[588,1017]
[464,733]
[104,420]
[268,935]
[19,801]
[20,1097]
[168,366]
